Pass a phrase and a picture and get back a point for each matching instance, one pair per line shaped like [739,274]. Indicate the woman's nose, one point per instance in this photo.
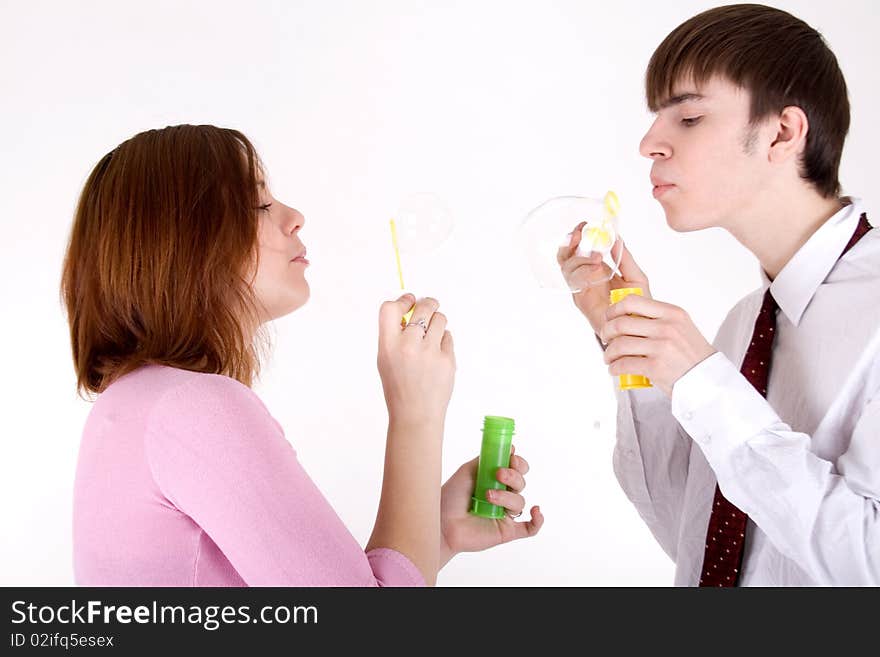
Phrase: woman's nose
[293,221]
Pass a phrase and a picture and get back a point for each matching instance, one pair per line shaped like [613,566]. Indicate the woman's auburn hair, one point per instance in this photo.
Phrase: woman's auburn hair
[161,255]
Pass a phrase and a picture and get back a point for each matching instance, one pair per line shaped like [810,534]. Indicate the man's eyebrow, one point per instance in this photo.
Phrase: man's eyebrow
[681,98]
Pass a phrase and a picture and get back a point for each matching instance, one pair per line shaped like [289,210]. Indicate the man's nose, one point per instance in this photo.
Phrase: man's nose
[653,145]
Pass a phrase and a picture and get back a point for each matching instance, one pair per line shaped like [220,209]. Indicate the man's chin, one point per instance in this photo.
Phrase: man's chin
[682,222]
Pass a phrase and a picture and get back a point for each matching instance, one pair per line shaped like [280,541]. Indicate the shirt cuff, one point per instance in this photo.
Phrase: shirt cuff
[717,406]
[393,568]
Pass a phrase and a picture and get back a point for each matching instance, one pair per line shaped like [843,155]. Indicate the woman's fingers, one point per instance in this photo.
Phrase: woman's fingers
[446,344]
[530,527]
[421,319]
[511,478]
[390,313]
[436,328]
[511,501]
[519,464]
[514,476]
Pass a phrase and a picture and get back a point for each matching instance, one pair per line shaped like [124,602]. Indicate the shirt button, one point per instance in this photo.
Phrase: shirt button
[688,416]
[707,439]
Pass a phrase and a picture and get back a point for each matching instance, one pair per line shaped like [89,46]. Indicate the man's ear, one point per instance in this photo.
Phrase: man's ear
[791,136]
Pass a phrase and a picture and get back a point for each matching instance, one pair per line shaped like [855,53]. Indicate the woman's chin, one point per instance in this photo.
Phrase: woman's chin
[281,309]
[301,299]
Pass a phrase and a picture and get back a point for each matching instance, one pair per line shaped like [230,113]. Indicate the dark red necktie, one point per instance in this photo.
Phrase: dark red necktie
[725,537]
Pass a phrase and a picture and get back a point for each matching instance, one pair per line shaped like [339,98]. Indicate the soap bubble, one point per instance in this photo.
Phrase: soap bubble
[545,233]
[423,223]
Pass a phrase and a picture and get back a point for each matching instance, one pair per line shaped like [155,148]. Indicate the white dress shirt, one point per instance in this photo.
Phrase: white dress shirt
[804,463]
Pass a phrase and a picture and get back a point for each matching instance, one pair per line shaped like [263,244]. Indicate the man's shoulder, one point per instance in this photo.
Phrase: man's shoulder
[746,307]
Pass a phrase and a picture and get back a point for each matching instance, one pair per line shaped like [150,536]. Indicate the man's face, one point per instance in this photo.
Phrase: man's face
[709,164]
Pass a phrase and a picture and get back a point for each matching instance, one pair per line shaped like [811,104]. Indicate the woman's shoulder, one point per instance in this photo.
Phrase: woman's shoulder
[187,396]
[203,433]
[152,382]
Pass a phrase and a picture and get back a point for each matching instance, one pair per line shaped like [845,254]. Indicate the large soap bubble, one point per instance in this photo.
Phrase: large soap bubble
[423,223]
[546,236]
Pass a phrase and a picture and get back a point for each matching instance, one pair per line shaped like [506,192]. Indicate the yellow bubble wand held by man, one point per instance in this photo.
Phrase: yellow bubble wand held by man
[408,316]
[601,236]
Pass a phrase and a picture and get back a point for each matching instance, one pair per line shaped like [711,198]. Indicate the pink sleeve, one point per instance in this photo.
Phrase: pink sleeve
[218,456]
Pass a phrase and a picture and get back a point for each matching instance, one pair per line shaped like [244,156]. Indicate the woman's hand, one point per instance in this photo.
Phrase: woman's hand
[417,367]
[416,363]
[461,531]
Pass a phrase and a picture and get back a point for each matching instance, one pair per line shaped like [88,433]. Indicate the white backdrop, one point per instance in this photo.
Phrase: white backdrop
[494,106]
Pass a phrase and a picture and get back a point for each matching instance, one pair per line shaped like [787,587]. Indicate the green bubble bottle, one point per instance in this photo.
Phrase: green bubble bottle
[494,454]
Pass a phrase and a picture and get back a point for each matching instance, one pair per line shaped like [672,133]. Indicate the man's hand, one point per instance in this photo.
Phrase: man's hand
[654,339]
[593,277]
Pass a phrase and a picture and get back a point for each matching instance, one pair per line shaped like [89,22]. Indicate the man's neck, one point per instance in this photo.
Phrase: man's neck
[777,227]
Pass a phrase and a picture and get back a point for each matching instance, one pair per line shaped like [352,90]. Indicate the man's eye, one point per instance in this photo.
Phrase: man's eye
[265,207]
[691,121]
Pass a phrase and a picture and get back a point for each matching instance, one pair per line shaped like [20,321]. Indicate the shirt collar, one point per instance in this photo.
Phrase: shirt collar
[794,286]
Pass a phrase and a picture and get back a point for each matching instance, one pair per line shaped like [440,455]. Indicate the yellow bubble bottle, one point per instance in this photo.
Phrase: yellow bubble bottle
[629,381]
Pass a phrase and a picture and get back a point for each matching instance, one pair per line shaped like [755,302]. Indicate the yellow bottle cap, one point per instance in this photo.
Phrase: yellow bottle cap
[634,381]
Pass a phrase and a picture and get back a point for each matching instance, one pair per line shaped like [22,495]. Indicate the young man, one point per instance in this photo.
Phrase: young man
[747,473]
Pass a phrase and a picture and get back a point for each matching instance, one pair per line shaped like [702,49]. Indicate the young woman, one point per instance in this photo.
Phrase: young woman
[178,256]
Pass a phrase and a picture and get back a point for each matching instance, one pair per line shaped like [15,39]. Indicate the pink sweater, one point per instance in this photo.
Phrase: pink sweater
[185,479]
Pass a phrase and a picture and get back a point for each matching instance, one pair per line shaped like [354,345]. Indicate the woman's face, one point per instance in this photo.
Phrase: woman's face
[280,283]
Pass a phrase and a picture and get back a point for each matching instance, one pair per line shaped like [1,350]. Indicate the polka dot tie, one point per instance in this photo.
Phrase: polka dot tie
[725,537]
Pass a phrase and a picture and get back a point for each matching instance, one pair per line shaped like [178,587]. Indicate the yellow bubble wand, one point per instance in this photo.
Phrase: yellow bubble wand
[409,314]
[601,238]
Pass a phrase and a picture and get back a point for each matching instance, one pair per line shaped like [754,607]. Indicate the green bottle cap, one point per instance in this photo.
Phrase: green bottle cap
[496,424]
